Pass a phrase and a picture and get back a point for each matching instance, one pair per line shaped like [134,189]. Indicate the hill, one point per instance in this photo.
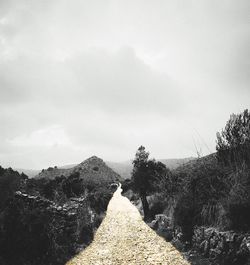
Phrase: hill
[197,164]
[92,170]
[173,163]
[124,168]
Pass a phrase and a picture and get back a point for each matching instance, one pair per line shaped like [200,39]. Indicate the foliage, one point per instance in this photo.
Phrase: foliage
[238,200]
[126,185]
[140,177]
[25,231]
[184,215]
[33,225]
[99,199]
[215,190]
[233,152]
[233,143]
[157,203]
[147,176]
[10,181]
[73,186]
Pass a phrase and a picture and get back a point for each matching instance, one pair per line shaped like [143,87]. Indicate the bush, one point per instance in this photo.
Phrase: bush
[99,199]
[184,216]
[239,214]
[10,181]
[238,200]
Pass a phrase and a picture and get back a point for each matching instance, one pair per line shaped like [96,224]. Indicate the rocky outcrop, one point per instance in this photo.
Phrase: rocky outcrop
[39,231]
[223,248]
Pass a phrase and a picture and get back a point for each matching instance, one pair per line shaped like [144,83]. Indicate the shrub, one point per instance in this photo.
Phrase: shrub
[184,216]
[99,199]
[233,143]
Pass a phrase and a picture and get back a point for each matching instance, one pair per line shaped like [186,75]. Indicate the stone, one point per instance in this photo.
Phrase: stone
[222,247]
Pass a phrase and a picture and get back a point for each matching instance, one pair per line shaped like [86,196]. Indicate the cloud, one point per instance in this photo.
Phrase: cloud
[107,76]
[51,136]
[118,81]
[122,82]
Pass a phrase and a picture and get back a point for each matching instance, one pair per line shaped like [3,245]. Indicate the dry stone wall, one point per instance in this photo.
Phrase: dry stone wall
[223,248]
[38,230]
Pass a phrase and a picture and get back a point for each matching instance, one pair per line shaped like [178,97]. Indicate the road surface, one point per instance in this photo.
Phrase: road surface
[124,239]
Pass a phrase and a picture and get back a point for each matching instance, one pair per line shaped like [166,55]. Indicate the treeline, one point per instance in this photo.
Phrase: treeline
[210,191]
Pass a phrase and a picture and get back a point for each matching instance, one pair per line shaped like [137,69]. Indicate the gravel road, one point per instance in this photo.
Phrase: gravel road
[124,239]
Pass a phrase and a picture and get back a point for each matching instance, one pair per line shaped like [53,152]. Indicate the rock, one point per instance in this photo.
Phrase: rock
[227,247]
[162,225]
[245,246]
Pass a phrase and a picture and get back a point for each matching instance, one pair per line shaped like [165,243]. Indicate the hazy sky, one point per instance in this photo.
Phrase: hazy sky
[79,78]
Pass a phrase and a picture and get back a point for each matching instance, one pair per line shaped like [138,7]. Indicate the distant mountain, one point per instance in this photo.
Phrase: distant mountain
[31,173]
[92,170]
[125,168]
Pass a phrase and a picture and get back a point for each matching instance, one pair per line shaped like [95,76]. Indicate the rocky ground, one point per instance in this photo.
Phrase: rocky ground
[123,238]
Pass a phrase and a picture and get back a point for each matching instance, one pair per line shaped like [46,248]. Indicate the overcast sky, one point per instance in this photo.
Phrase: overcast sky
[81,78]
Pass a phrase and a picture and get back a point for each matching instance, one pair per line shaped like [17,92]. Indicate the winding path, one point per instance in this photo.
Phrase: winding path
[124,239]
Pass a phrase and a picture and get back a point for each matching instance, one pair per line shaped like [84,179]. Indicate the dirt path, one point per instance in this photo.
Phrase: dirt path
[123,238]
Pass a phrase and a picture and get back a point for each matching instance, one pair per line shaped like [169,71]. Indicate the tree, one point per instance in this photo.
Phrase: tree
[140,177]
[146,176]
[233,143]
[233,150]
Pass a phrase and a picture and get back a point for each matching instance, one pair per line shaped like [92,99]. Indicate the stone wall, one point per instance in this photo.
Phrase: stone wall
[223,248]
[35,230]
[217,247]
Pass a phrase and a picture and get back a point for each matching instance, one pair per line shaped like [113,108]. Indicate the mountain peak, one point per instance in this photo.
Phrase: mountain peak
[92,159]
[93,170]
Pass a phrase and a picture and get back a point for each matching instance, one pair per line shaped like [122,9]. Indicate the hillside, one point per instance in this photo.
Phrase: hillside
[192,166]
[31,173]
[92,170]
[124,169]
[173,163]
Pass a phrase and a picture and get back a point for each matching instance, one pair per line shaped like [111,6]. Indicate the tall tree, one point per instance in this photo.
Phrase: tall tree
[140,177]
[146,176]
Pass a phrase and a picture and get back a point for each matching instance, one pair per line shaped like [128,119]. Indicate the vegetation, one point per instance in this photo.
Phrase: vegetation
[210,191]
[218,186]
[10,181]
[146,176]
[40,219]
[233,143]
